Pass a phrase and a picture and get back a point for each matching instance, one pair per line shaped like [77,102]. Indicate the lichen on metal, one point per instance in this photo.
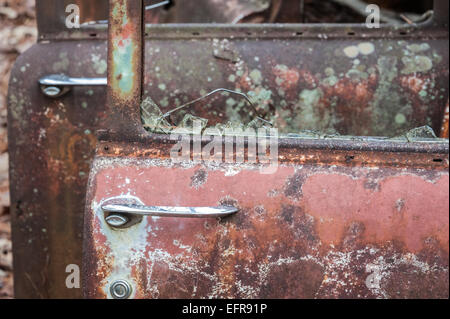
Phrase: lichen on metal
[354,87]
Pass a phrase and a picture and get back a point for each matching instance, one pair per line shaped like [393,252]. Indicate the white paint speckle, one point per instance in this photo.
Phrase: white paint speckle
[366,48]
[351,51]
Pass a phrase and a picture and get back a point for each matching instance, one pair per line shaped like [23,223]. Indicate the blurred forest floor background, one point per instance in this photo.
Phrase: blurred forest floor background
[17,33]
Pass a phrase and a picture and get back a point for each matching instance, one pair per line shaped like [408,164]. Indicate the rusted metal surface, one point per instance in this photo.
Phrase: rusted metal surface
[333,151]
[52,16]
[51,146]
[314,229]
[444,129]
[333,212]
[125,68]
[441,12]
[380,87]
[48,192]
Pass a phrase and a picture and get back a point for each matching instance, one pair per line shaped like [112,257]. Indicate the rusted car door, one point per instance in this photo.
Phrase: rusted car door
[52,141]
[334,216]
[51,145]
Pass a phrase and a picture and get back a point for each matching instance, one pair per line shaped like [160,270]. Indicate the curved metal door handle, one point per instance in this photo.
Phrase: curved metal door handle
[124,215]
[56,85]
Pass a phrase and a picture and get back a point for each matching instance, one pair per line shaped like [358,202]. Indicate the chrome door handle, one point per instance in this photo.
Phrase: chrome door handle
[56,85]
[124,215]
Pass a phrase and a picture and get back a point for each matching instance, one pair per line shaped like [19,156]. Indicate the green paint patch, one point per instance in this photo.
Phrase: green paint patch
[330,81]
[260,96]
[423,94]
[232,78]
[329,71]
[400,119]
[310,97]
[366,48]
[62,64]
[122,60]
[351,51]
[416,48]
[256,77]
[164,102]
[415,64]
[231,102]
[99,64]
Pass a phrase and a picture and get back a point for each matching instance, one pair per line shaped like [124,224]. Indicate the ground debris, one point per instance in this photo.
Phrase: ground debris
[17,33]
[6,277]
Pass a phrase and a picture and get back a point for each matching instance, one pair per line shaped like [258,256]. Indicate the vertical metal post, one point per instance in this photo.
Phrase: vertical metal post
[125,66]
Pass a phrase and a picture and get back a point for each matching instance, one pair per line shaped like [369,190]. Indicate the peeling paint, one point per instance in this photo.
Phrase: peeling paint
[291,245]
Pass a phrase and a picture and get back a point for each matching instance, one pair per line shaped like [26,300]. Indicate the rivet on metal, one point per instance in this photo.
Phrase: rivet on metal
[51,91]
[116,220]
[121,289]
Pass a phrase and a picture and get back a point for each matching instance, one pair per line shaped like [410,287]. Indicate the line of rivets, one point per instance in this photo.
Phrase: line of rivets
[120,289]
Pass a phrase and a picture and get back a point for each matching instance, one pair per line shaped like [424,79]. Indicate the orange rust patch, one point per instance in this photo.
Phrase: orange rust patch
[413,83]
[444,129]
[127,31]
[290,77]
